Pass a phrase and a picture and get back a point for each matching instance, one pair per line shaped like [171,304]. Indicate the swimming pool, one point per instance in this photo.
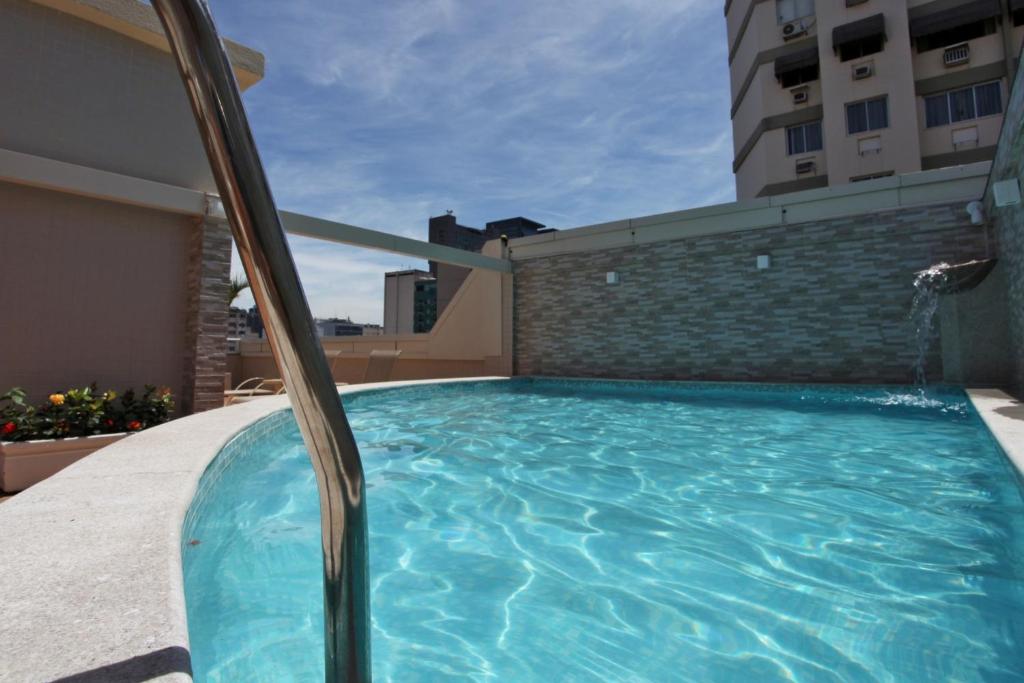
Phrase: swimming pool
[548,530]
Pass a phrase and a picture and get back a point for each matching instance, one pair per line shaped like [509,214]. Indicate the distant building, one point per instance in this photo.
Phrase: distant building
[373,330]
[238,323]
[254,322]
[409,305]
[447,231]
[424,306]
[338,327]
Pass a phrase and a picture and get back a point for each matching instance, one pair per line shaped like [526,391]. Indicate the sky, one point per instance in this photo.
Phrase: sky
[569,112]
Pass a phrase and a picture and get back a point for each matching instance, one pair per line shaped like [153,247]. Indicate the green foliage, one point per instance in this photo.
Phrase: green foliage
[238,285]
[82,412]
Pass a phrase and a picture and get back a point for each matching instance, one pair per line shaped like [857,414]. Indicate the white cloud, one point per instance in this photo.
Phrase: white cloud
[570,112]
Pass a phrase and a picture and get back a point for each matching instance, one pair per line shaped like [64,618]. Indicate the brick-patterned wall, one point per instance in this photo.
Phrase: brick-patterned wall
[1009,221]
[206,327]
[833,307]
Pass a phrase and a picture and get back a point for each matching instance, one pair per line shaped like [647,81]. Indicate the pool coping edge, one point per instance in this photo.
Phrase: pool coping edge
[1004,416]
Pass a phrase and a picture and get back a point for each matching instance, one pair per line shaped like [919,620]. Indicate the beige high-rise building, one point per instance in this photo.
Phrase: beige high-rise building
[826,92]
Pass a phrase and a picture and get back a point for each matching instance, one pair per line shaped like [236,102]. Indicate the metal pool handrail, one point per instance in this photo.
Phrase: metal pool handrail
[260,238]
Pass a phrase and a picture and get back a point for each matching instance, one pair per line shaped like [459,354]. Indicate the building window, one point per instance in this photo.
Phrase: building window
[1018,17]
[963,105]
[791,79]
[803,138]
[865,116]
[958,34]
[861,48]
[859,38]
[788,10]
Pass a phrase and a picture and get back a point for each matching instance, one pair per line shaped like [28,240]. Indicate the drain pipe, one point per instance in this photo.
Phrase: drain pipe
[260,238]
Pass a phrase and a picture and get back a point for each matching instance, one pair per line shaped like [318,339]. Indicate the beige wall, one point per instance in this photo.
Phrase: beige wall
[765,97]
[449,280]
[762,33]
[97,290]
[91,96]
[984,50]
[734,19]
[89,292]
[894,77]
[768,163]
[939,140]
[467,341]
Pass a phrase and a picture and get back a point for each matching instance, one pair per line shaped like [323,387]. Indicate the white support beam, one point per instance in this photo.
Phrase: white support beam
[35,171]
[319,228]
[60,176]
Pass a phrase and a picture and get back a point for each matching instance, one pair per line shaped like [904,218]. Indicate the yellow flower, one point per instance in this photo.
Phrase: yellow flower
[57,399]
[109,395]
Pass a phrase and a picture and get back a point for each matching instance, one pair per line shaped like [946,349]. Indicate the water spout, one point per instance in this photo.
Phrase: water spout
[942,278]
[927,285]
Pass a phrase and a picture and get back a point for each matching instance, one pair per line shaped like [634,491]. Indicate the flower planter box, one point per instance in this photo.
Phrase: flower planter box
[25,463]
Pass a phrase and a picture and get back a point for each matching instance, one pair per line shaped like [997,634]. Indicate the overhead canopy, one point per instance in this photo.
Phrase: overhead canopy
[869,27]
[797,60]
[923,23]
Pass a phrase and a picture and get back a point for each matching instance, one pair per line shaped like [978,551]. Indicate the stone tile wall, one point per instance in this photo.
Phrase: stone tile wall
[833,307]
[1009,221]
[206,327]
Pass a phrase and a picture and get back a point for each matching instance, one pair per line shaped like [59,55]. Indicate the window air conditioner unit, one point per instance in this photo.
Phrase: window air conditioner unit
[956,55]
[801,96]
[862,71]
[795,29]
[805,166]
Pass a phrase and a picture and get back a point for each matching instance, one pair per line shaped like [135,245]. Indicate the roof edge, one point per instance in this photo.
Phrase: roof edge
[139,21]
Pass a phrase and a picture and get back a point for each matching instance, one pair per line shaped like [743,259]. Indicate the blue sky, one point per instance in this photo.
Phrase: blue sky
[572,112]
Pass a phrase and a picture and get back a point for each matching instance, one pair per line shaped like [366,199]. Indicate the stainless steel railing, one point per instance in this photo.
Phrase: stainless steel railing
[260,239]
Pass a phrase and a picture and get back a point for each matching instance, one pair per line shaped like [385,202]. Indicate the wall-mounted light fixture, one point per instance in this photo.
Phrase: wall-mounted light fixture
[764,262]
[611,277]
[1006,192]
[976,210]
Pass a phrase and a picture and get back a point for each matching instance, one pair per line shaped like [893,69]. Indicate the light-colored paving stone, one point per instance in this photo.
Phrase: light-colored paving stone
[90,558]
[1004,416]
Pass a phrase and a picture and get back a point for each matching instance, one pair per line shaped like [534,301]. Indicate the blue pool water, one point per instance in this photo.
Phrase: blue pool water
[576,531]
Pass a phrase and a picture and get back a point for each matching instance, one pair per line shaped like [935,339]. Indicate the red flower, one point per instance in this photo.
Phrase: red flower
[9,428]
[108,422]
[134,425]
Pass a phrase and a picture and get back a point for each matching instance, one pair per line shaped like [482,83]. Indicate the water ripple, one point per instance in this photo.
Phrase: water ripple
[558,531]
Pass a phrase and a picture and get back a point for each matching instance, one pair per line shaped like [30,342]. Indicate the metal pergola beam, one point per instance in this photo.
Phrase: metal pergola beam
[331,231]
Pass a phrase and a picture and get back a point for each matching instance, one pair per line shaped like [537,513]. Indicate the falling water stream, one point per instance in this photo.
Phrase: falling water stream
[927,285]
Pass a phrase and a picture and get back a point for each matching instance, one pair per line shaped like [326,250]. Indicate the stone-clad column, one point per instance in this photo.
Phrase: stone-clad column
[206,326]
[1009,222]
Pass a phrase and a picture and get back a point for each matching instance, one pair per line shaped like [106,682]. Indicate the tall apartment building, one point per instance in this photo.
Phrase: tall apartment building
[827,92]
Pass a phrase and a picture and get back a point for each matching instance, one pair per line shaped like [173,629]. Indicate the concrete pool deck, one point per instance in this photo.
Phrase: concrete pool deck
[92,588]
[91,558]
